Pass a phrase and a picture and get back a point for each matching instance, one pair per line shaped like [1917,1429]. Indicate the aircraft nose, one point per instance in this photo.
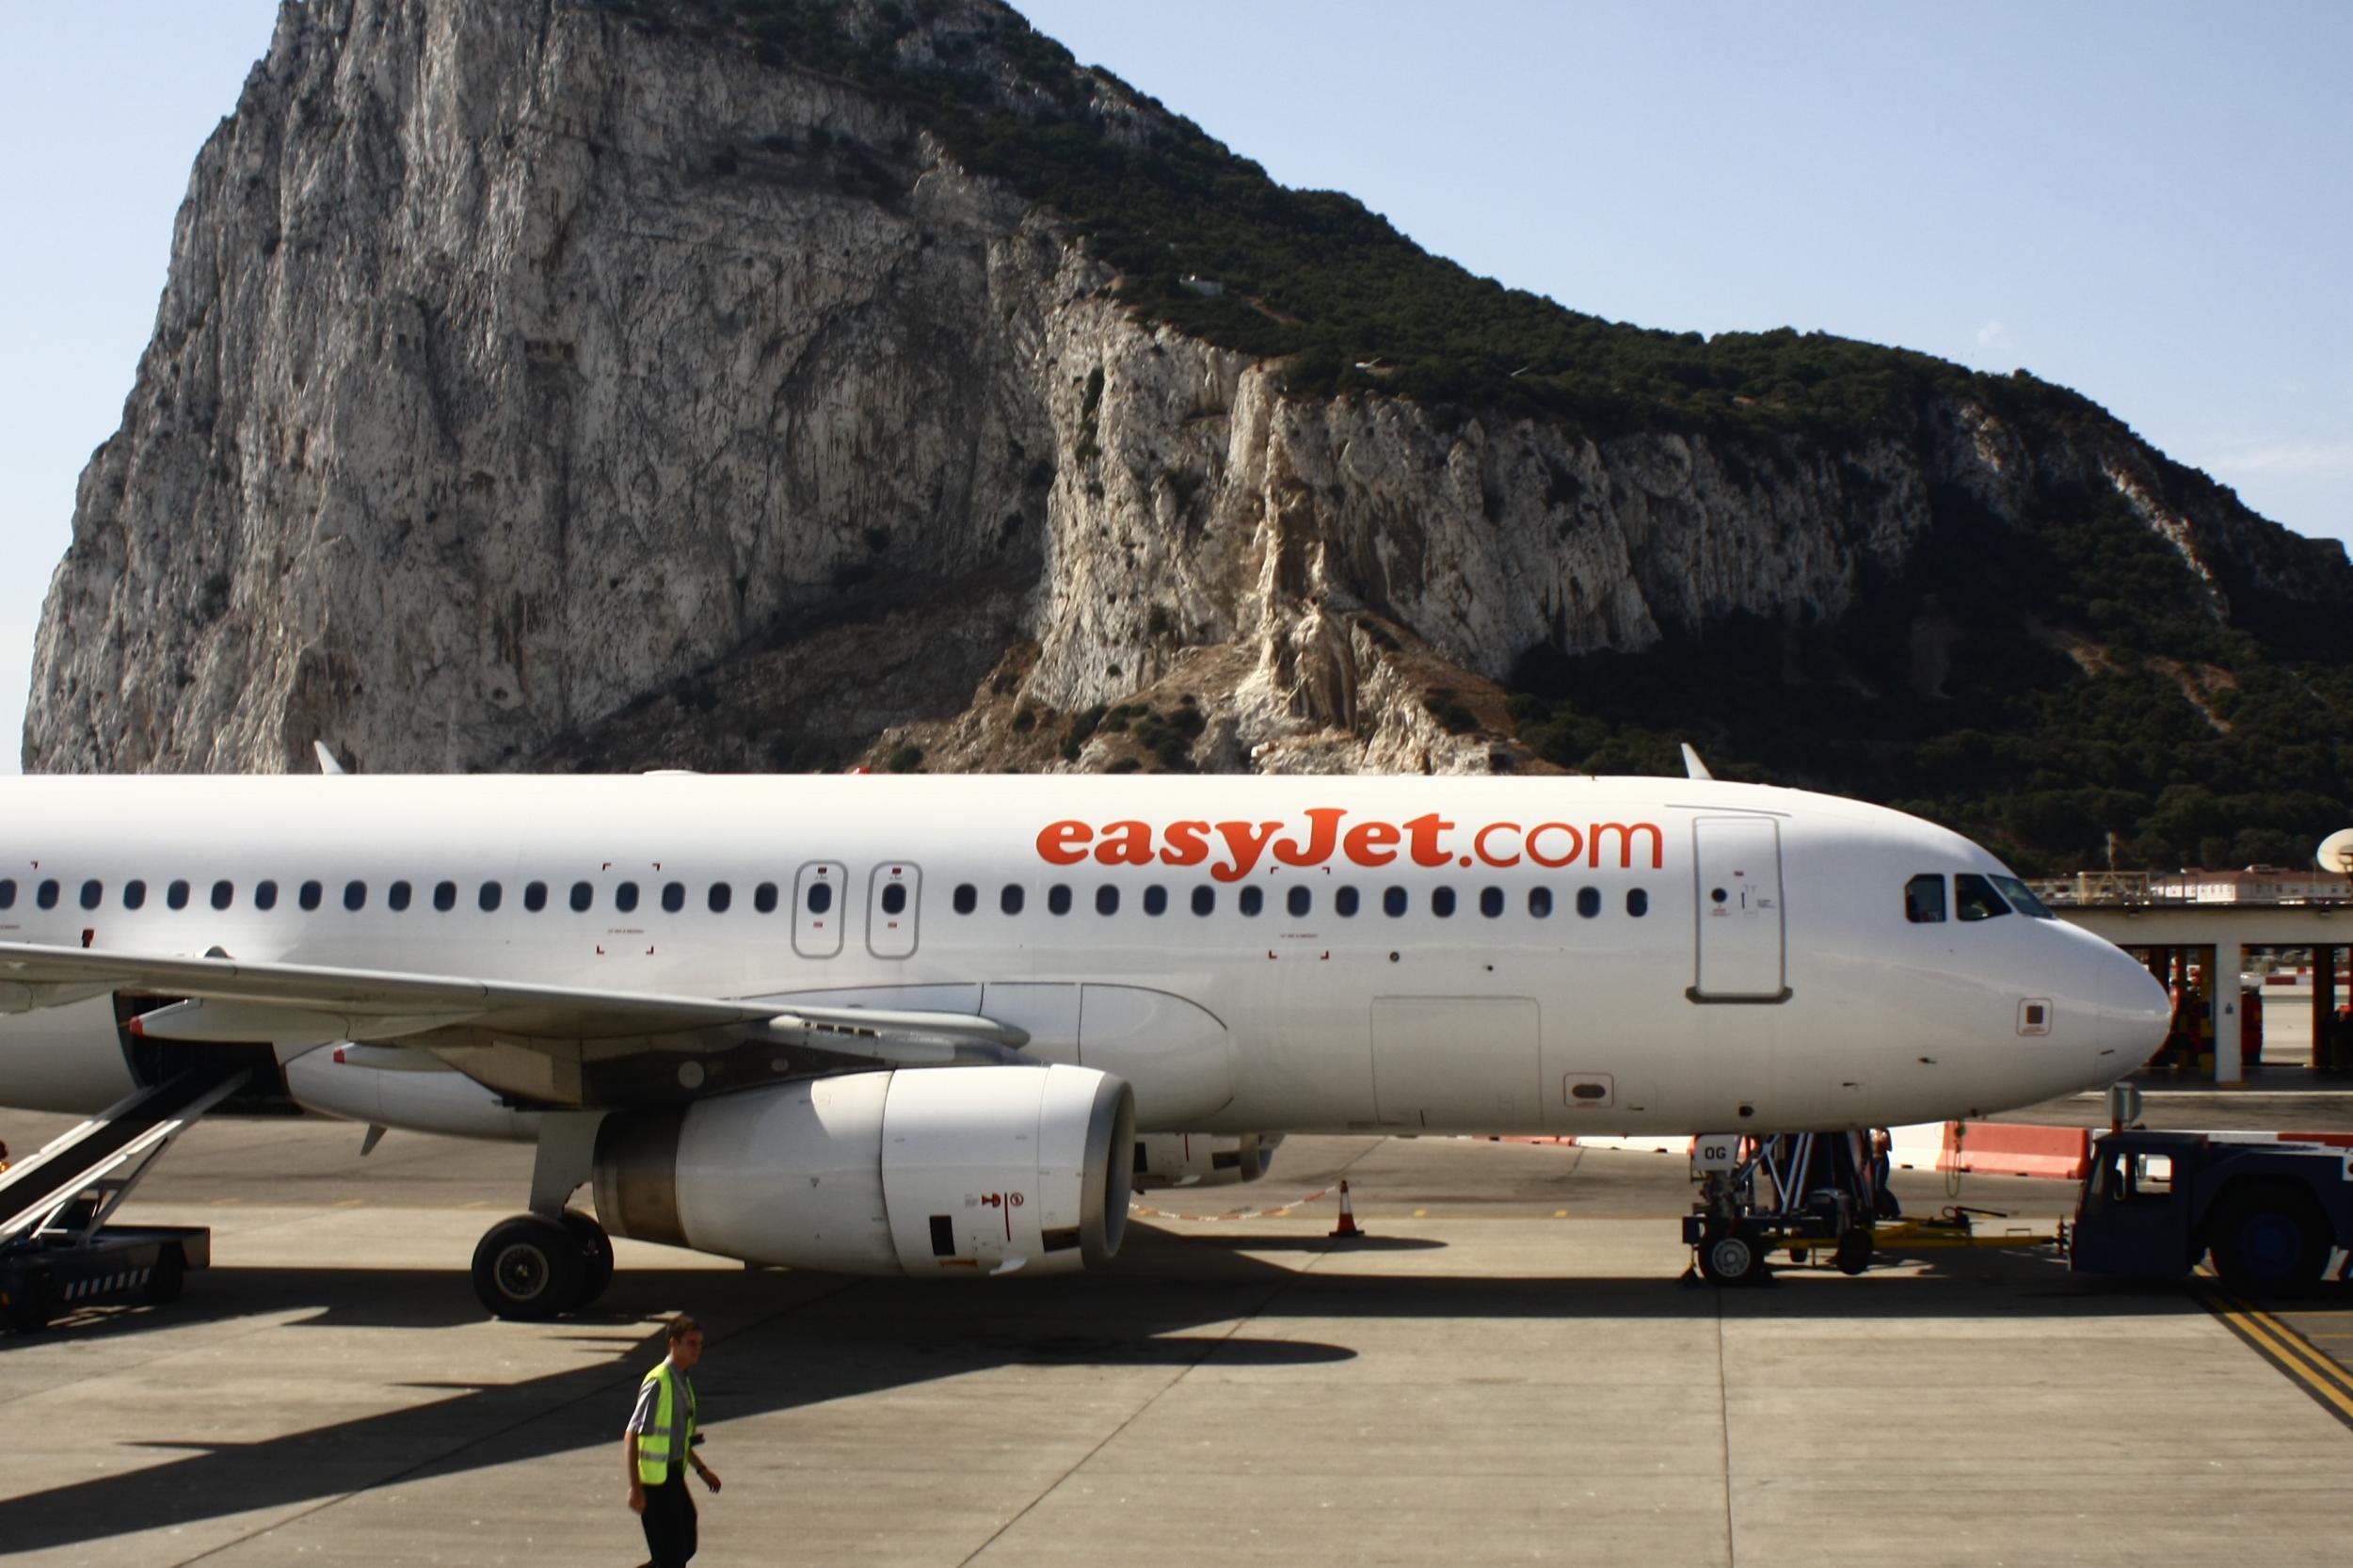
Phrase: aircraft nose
[2135,1014]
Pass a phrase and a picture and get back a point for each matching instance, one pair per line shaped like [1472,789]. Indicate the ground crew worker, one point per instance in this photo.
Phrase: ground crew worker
[658,1445]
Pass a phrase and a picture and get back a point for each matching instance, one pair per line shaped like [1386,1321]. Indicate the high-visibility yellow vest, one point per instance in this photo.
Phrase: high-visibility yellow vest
[653,1445]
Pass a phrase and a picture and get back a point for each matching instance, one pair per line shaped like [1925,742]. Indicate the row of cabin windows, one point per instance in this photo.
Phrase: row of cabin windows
[1299,902]
[719,897]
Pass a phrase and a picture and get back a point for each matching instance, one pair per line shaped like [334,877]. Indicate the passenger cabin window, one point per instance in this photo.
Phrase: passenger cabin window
[1491,902]
[1106,899]
[1156,899]
[764,898]
[397,897]
[720,897]
[1636,902]
[1588,901]
[1058,899]
[266,896]
[8,892]
[1251,899]
[1393,902]
[584,897]
[177,895]
[445,896]
[1299,900]
[1442,901]
[355,896]
[46,894]
[625,897]
[1974,898]
[309,897]
[968,898]
[535,896]
[894,898]
[224,894]
[91,892]
[1205,901]
[1344,903]
[134,895]
[673,897]
[1010,899]
[1923,899]
[489,897]
[820,897]
[1540,902]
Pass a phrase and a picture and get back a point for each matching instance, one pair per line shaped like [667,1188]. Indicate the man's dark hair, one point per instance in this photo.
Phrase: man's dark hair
[680,1326]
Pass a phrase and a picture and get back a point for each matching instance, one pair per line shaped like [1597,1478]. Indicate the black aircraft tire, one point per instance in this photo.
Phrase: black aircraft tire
[1729,1257]
[596,1248]
[528,1267]
[2269,1237]
[1854,1250]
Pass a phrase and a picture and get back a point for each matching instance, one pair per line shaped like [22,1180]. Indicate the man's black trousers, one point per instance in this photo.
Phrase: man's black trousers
[669,1521]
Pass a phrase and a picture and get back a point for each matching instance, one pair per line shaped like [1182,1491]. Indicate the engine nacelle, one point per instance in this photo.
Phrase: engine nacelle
[939,1171]
[1202,1159]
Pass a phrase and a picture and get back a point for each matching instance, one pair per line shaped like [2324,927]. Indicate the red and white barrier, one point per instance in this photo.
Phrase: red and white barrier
[2017,1148]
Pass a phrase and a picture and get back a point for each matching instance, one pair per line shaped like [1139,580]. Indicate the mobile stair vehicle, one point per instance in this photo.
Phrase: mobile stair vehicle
[57,1252]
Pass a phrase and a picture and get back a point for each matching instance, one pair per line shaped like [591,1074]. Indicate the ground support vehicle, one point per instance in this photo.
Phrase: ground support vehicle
[1802,1192]
[2270,1214]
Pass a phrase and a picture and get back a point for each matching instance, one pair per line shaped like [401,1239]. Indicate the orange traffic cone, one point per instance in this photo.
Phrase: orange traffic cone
[1347,1231]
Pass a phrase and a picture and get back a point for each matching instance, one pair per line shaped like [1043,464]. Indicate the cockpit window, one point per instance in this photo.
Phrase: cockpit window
[1923,899]
[1974,898]
[2021,898]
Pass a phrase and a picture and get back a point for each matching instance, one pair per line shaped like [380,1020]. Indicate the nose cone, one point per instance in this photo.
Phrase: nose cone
[2135,1014]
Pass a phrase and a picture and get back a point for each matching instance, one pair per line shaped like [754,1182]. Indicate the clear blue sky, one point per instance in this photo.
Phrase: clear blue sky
[2150,203]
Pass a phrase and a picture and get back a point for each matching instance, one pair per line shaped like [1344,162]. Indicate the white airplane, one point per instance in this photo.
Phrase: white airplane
[936,1024]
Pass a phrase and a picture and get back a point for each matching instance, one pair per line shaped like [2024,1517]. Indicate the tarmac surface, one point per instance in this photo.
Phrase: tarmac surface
[1508,1370]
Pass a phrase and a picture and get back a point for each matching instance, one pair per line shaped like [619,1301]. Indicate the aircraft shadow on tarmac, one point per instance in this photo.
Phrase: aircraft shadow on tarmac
[780,1341]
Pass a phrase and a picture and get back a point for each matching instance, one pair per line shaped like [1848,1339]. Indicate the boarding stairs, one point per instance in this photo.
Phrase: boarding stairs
[80,1177]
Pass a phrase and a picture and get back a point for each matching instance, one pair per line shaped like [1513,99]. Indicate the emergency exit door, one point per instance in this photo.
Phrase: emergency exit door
[1741,934]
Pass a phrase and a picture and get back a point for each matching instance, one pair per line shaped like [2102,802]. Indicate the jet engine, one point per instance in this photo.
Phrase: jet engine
[917,1171]
[1201,1159]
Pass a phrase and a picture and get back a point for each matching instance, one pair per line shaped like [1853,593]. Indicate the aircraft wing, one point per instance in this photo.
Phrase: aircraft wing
[217,997]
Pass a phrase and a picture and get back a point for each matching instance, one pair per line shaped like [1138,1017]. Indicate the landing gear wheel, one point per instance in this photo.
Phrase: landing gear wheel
[596,1248]
[2269,1240]
[528,1267]
[1730,1257]
[164,1281]
[1854,1250]
[35,1304]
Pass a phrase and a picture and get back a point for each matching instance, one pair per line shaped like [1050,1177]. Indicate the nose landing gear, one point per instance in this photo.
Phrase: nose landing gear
[1757,1195]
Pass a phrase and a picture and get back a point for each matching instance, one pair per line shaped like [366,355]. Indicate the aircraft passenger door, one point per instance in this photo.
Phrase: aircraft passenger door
[819,907]
[890,909]
[1741,933]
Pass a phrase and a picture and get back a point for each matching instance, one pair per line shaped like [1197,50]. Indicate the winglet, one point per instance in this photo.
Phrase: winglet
[1692,765]
[326,759]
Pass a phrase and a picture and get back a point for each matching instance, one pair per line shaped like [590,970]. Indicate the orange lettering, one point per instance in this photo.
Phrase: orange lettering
[1478,845]
[1577,844]
[1368,843]
[1626,832]
[1063,843]
[1245,845]
[1125,843]
[1187,844]
[1323,827]
[1424,831]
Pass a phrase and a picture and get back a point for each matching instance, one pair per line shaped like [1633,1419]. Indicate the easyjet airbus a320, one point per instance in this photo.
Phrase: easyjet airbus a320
[935,1025]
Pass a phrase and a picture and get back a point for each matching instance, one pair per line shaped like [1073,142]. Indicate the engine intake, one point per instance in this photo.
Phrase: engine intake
[942,1170]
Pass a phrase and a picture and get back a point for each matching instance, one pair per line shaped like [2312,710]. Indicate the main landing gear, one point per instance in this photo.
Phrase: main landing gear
[535,1266]
[555,1259]
[1799,1191]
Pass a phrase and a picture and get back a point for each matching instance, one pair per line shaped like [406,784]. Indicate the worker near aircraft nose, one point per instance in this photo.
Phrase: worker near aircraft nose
[658,1445]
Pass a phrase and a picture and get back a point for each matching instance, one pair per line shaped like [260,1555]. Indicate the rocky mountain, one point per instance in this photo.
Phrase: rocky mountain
[770,384]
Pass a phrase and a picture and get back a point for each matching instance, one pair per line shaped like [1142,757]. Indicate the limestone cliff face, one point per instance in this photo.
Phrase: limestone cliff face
[530,390]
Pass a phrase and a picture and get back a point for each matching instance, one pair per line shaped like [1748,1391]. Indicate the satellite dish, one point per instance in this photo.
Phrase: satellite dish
[2336,852]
